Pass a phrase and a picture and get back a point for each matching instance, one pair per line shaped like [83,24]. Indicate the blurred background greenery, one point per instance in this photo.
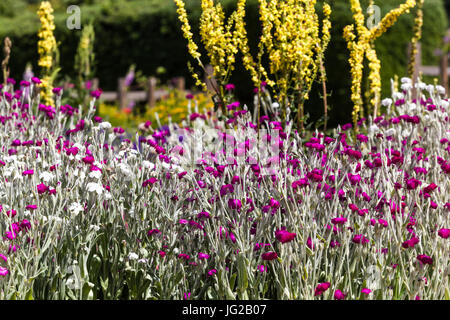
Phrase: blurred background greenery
[146,33]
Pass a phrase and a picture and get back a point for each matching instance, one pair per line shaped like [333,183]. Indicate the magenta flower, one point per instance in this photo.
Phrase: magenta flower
[234,204]
[212,272]
[42,188]
[339,295]
[339,220]
[309,243]
[274,203]
[203,255]
[161,253]
[359,238]
[229,87]
[3,257]
[261,268]
[152,232]
[268,256]
[366,291]
[187,295]
[425,259]
[35,80]
[28,172]
[410,243]
[31,207]
[444,233]
[96,93]
[3,271]
[150,181]
[321,288]
[284,236]
[88,159]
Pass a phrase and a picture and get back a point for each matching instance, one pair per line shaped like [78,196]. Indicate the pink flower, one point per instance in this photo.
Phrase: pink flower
[152,232]
[161,253]
[234,204]
[150,181]
[410,243]
[42,188]
[268,256]
[3,271]
[321,288]
[366,291]
[31,207]
[28,172]
[212,272]
[203,215]
[425,259]
[203,255]
[339,220]
[261,268]
[88,160]
[444,233]
[284,236]
[339,295]
[359,238]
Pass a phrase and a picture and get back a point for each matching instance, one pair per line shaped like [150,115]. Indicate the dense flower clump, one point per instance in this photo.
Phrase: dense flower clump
[219,210]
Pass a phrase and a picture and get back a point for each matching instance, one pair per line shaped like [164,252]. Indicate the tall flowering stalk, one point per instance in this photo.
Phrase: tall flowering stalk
[47,50]
[291,38]
[361,44]
[7,52]
[84,61]
[220,38]
[418,22]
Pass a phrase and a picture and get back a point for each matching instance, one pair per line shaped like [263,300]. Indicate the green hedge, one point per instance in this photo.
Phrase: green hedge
[147,33]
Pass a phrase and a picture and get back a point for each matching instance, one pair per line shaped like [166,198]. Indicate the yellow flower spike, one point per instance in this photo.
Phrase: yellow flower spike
[418,22]
[46,48]
[361,44]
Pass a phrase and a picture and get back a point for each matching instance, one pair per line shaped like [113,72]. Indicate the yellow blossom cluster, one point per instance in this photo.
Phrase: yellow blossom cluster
[218,38]
[46,49]
[192,46]
[291,38]
[361,44]
[418,22]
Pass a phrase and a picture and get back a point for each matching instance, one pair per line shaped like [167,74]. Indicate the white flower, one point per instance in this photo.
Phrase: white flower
[275,105]
[406,80]
[125,169]
[148,165]
[421,85]
[412,107]
[105,125]
[94,187]
[440,89]
[94,227]
[75,208]
[133,256]
[398,95]
[406,86]
[386,102]
[12,158]
[374,128]
[165,165]
[430,88]
[143,261]
[445,104]
[390,132]
[95,174]
[46,176]
[108,195]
